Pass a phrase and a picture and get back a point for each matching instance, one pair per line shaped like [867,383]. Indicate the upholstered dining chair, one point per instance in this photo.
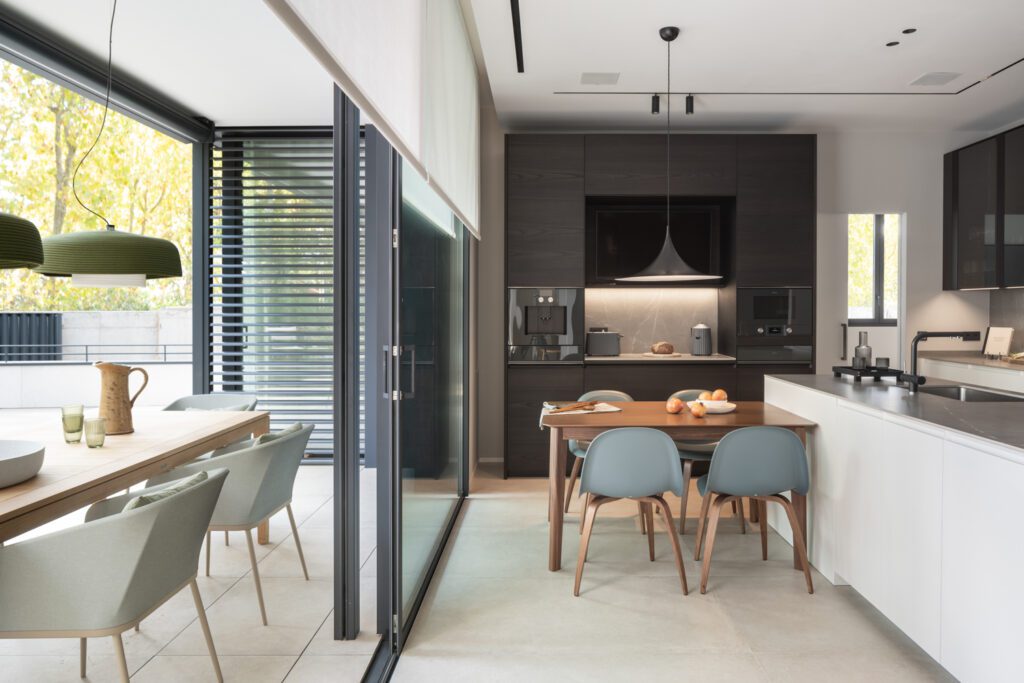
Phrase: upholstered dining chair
[579,448]
[103,577]
[223,400]
[759,463]
[691,452]
[260,486]
[636,463]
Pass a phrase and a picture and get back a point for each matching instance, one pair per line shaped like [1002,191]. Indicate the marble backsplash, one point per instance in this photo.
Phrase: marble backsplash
[644,316]
[1006,309]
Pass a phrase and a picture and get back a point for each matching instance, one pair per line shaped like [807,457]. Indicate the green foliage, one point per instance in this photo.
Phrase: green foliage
[141,180]
[861,265]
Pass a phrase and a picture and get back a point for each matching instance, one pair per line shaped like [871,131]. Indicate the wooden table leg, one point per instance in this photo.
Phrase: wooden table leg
[263,530]
[558,457]
[799,501]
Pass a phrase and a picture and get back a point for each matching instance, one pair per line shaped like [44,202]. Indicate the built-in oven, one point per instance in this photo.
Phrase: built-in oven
[545,325]
[774,325]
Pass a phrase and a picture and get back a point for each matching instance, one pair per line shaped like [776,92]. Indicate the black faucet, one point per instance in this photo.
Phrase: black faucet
[913,379]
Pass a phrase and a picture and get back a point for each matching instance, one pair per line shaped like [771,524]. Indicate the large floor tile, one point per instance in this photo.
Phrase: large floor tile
[900,666]
[196,668]
[324,668]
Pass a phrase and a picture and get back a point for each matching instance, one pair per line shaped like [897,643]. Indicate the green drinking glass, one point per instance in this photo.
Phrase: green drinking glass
[73,417]
[95,432]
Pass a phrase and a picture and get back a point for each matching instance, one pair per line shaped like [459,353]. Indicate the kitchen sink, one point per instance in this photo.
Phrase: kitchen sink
[970,394]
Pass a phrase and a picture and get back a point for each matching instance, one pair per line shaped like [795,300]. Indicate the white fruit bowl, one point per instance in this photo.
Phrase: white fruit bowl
[715,407]
[19,460]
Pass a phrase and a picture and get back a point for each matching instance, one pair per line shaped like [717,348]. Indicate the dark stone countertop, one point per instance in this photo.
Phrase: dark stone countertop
[1002,423]
[633,358]
[970,358]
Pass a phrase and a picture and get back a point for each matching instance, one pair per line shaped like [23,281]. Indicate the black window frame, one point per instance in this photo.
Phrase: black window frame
[878,318]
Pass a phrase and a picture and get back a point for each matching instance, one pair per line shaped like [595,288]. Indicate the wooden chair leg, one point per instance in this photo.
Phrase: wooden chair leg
[676,550]
[586,501]
[738,502]
[295,535]
[648,509]
[577,465]
[227,539]
[702,521]
[716,513]
[798,539]
[588,526]
[754,512]
[208,534]
[687,475]
[643,517]
[122,662]
[82,647]
[762,519]
[201,611]
[256,575]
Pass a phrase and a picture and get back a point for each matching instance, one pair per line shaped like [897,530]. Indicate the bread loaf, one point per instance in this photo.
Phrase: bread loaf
[662,347]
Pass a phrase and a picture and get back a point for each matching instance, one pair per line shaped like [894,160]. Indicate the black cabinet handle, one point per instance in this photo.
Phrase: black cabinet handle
[843,352]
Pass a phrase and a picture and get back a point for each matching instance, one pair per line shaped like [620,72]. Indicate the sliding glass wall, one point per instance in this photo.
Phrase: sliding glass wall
[431,427]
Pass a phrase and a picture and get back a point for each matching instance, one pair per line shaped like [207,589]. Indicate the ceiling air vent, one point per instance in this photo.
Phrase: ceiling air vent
[599,78]
[933,78]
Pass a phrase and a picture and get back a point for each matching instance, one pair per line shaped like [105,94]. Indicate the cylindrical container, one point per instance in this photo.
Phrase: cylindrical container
[95,432]
[700,340]
[71,417]
[862,353]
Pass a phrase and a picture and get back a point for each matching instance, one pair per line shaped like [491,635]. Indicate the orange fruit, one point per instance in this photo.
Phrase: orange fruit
[704,396]
[719,395]
[674,406]
[698,410]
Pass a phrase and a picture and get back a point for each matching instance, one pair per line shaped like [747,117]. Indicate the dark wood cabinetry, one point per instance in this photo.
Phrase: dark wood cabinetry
[750,378]
[1013,208]
[545,211]
[528,386]
[656,382]
[776,210]
[634,165]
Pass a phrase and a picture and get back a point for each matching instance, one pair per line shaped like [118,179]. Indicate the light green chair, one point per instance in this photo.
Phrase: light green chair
[579,448]
[103,577]
[691,452]
[636,463]
[262,476]
[224,400]
[760,463]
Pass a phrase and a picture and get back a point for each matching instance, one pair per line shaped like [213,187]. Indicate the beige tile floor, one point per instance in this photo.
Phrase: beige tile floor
[297,646]
[494,612]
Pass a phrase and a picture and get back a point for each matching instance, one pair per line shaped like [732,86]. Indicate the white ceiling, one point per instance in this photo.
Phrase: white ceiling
[231,61]
[756,46]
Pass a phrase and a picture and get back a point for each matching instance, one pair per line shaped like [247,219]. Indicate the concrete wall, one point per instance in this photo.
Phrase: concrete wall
[127,335]
[39,385]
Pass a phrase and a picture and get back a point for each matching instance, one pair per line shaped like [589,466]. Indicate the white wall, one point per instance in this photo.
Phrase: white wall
[491,291]
[889,172]
[131,335]
[48,385]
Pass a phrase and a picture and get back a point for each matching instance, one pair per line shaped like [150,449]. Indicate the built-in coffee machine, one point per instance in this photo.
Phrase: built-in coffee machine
[774,325]
[545,325]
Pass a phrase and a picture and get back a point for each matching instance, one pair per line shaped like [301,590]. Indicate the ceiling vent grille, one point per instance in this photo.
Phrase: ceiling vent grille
[599,78]
[933,78]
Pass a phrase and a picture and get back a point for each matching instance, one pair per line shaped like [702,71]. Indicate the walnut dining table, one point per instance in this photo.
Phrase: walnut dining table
[652,414]
[74,475]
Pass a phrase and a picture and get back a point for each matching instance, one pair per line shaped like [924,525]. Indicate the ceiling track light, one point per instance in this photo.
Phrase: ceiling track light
[655,104]
[689,104]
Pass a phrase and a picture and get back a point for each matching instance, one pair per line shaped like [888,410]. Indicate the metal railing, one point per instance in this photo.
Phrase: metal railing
[44,354]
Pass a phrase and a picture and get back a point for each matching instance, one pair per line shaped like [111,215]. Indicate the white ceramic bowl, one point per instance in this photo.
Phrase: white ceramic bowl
[715,407]
[19,460]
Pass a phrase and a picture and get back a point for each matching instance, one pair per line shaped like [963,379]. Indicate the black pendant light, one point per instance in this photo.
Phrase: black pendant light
[109,257]
[669,265]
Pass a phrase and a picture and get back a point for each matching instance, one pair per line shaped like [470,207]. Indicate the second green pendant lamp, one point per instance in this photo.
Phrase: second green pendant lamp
[109,257]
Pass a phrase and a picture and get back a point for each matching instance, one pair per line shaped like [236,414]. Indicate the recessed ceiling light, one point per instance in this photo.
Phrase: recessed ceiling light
[893,43]
[908,31]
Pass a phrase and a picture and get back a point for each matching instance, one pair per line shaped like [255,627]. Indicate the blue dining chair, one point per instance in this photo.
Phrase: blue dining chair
[635,463]
[579,448]
[760,463]
[691,452]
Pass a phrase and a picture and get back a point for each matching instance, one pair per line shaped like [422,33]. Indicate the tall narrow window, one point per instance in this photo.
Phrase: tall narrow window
[873,268]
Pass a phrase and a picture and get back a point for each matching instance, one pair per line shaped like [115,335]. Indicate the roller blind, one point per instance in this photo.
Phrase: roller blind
[409,67]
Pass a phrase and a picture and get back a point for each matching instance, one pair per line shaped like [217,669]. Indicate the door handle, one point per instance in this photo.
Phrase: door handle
[412,373]
[386,362]
[845,327]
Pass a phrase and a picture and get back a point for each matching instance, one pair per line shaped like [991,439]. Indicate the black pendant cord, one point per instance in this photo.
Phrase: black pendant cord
[103,121]
[668,144]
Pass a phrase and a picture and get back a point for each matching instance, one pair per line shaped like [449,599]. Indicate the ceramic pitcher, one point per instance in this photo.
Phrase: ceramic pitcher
[115,406]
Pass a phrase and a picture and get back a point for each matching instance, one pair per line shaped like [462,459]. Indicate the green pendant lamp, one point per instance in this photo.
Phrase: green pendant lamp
[110,257]
[20,246]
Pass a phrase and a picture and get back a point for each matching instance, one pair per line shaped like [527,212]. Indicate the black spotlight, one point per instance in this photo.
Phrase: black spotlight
[689,104]
[655,104]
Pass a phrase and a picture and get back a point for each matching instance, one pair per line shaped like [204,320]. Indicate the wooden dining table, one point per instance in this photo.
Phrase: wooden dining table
[652,414]
[74,475]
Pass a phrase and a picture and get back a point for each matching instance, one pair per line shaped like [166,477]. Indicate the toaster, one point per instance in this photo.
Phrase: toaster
[601,342]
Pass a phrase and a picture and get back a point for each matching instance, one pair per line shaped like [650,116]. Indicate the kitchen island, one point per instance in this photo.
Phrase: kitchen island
[914,503]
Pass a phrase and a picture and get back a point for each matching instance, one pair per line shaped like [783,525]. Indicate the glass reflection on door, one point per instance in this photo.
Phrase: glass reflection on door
[431,334]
